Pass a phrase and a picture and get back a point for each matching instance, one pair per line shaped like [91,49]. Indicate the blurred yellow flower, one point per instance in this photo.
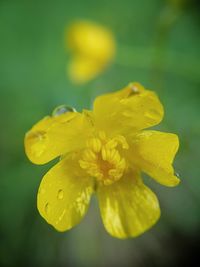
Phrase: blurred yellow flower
[92,47]
[104,151]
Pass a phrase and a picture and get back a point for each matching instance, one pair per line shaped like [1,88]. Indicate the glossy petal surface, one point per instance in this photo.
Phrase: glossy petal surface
[54,136]
[64,195]
[128,207]
[153,152]
[128,110]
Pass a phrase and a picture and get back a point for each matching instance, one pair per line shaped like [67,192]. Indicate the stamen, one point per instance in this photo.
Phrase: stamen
[102,159]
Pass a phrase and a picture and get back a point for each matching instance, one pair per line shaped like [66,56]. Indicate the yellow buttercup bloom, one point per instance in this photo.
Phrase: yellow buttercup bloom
[92,47]
[104,151]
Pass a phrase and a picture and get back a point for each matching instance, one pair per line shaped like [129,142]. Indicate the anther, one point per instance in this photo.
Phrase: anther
[102,160]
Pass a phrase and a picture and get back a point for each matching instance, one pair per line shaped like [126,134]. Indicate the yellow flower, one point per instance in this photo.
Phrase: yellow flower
[104,151]
[92,47]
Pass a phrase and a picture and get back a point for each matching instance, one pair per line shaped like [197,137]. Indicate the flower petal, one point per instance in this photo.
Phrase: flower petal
[153,152]
[64,195]
[92,46]
[128,208]
[128,110]
[91,40]
[82,69]
[54,136]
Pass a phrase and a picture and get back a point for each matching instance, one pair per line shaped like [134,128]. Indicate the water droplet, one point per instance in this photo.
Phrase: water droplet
[134,90]
[47,208]
[177,174]
[60,194]
[62,109]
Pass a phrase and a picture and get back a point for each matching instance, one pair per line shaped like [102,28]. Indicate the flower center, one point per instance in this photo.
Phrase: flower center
[102,158]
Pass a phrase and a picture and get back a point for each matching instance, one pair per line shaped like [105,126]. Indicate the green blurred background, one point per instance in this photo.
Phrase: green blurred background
[158,44]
